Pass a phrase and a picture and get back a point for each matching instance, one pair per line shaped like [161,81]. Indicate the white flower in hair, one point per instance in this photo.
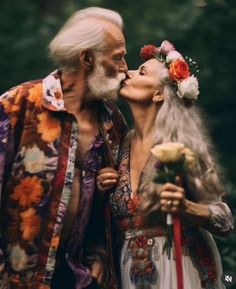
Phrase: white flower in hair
[188,88]
[173,55]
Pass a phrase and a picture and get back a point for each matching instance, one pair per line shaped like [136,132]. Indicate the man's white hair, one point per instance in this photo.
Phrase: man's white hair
[81,32]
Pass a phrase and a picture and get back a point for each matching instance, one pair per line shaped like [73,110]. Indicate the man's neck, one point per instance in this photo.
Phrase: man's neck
[74,90]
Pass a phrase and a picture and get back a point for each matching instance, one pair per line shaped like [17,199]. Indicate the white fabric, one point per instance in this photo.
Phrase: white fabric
[167,271]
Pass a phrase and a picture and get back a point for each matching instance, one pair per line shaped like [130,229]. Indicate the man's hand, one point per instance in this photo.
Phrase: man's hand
[106,179]
[97,272]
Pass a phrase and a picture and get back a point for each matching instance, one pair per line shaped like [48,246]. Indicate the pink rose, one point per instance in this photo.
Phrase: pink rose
[167,47]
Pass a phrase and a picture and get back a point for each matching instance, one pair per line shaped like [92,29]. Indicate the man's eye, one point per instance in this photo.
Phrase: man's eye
[117,57]
[141,72]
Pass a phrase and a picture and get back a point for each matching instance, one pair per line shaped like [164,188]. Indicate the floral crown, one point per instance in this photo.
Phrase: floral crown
[187,85]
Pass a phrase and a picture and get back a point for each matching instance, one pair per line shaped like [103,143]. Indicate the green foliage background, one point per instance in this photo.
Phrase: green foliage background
[201,29]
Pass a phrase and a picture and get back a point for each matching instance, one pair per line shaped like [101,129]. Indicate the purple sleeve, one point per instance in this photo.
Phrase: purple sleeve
[221,219]
[4,139]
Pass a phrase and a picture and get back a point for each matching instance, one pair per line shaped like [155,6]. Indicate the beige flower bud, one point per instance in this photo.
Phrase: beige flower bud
[189,157]
[172,152]
[168,152]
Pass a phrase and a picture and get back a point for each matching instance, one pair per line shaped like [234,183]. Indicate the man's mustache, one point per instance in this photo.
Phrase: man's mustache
[121,77]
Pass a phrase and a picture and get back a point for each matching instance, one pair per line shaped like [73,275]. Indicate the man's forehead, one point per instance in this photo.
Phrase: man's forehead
[115,41]
[114,34]
[115,48]
[114,37]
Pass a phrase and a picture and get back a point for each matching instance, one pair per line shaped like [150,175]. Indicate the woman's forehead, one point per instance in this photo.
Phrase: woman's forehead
[151,65]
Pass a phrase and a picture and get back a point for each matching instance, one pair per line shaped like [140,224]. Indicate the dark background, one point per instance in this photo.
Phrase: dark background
[201,29]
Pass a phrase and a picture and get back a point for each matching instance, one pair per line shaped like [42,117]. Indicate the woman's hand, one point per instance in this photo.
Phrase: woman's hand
[106,179]
[172,197]
[172,200]
[97,272]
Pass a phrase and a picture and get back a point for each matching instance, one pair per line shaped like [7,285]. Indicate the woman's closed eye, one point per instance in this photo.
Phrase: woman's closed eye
[141,71]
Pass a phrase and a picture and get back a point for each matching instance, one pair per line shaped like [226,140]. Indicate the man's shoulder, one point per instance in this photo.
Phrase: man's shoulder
[114,110]
[23,88]
[118,120]
[27,91]
[111,106]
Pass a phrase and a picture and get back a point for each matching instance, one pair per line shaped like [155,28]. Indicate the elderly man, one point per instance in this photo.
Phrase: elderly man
[56,133]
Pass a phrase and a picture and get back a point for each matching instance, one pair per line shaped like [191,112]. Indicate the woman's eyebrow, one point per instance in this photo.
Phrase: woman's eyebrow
[143,67]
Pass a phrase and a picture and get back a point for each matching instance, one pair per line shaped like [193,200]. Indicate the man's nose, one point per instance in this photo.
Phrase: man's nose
[124,67]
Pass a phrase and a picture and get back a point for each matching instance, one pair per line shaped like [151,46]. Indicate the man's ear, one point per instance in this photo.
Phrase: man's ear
[158,96]
[86,58]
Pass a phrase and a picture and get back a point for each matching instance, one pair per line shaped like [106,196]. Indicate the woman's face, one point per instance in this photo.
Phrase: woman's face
[141,84]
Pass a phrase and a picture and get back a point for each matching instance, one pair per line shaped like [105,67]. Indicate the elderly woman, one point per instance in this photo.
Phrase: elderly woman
[162,94]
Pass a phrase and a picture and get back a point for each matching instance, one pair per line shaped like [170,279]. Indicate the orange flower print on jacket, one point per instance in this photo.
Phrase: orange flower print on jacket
[28,192]
[30,225]
[35,95]
[44,286]
[55,241]
[48,127]
[12,102]
[11,109]
[17,257]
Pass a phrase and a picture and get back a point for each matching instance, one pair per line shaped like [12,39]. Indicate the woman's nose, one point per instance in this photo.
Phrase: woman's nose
[130,73]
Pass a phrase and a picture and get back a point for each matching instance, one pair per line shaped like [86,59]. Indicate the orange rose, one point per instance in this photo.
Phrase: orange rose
[179,70]
[28,191]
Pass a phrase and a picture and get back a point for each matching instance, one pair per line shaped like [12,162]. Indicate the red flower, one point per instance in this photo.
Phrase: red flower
[179,70]
[211,274]
[124,224]
[148,52]
[141,241]
[133,203]
[138,221]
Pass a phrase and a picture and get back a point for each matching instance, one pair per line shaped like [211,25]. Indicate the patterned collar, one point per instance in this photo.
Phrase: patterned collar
[52,92]
[53,97]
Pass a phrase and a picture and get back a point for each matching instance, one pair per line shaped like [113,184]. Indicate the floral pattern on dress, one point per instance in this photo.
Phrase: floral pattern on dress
[143,272]
[141,249]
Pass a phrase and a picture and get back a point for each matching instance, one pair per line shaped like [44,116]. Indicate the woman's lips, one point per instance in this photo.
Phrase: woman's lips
[123,83]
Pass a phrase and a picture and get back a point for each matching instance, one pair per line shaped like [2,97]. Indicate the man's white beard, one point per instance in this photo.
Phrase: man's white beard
[103,87]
